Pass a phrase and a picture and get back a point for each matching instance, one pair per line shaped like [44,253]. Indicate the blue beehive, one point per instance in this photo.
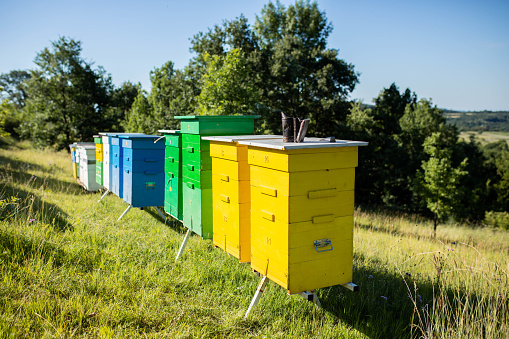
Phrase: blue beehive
[117,173]
[143,170]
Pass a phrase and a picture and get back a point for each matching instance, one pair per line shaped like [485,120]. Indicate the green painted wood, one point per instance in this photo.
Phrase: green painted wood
[173,196]
[198,210]
[200,179]
[217,124]
[99,172]
[172,140]
[172,154]
[173,175]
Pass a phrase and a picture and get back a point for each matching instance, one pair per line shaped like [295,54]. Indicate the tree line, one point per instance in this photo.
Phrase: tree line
[414,163]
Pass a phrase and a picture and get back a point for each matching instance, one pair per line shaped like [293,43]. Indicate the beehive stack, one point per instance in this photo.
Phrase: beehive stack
[302,204]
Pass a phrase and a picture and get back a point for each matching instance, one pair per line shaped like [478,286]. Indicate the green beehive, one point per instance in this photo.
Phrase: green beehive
[196,165]
[173,173]
[99,159]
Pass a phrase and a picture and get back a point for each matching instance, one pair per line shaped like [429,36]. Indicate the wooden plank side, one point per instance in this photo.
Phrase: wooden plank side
[301,208]
[300,183]
[299,161]
[331,271]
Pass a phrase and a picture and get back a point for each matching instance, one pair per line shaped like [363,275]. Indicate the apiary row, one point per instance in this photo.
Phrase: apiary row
[287,208]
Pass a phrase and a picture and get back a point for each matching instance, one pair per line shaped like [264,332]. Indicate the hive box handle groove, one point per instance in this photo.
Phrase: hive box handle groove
[268,191]
[322,193]
[268,215]
[320,219]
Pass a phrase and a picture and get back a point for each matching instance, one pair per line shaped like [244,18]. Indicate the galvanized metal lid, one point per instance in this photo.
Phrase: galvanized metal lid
[169,131]
[307,143]
[236,138]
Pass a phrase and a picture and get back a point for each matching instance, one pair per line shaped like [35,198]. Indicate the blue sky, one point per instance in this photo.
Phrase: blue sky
[453,52]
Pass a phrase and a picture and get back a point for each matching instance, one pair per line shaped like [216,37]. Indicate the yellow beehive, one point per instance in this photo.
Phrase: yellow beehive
[99,152]
[302,204]
[231,201]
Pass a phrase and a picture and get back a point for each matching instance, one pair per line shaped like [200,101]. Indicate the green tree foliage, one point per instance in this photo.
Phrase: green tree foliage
[173,93]
[440,179]
[289,64]
[498,156]
[5,111]
[226,86]
[66,97]
[382,179]
[140,118]
[120,104]
[13,86]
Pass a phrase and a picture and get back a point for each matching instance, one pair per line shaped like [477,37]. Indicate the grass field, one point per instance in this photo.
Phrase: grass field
[69,269]
[486,137]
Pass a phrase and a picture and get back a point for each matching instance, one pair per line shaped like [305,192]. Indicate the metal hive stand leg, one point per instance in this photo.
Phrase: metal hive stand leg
[311,296]
[105,194]
[183,246]
[126,210]
[158,211]
[257,296]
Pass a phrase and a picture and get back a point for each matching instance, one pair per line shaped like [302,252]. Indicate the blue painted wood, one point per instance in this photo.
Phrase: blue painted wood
[143,170]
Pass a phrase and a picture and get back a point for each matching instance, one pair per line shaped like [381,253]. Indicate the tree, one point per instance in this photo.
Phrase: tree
[14,86]
[227,88]
[140,118]
[66,97]
[302,76]
[440,179]
[173,93]
[289,63]
[382,177]
[120,104]
[4,113]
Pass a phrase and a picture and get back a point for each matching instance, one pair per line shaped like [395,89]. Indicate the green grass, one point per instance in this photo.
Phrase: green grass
[69,269]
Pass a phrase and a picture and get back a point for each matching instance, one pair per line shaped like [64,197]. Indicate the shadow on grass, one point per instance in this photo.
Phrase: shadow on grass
[383,307]
[21,248]
[31,207]
[22,172]
[170,221]
[380,309]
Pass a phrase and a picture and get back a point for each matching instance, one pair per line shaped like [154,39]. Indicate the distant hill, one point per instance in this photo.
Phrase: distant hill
[479,121]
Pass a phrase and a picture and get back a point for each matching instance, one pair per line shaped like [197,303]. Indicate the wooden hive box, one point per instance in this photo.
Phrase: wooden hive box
[302,204]
[173,173]
[197,165]
[143,170]
[231,200]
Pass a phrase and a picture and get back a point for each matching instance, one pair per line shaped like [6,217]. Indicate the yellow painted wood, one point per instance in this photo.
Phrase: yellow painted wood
[304,159]
[330,271]
[237,191]
[300,183]
[232,227]
[228,151]
[75,170]
[299,196]
[274,273]
[99,152]
[287,253]
[285,209]
[230,170]
[231,199]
